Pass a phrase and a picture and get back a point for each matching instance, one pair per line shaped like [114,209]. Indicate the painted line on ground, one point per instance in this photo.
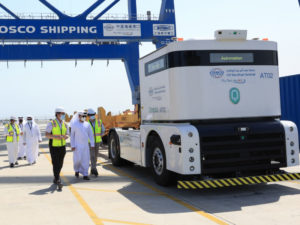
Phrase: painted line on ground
[180,202]
[86,207]
[116,191]
[82,202]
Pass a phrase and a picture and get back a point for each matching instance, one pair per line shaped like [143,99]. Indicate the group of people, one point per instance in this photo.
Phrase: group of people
[85,142]
[86,137]
[22,140]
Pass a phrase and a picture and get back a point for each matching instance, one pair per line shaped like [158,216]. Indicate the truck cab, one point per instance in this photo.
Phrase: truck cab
[209,108]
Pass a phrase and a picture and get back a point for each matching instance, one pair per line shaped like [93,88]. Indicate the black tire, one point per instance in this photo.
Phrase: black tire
[114,149]
[159,170]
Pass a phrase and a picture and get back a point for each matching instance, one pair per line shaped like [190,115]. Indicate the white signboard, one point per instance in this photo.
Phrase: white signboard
[122,29]
[163,30]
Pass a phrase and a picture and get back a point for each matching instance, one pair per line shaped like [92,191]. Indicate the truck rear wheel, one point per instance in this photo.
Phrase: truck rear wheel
[158,162]
[114,149]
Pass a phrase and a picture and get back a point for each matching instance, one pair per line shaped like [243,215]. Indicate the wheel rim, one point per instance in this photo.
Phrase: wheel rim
[158,161]
[113,148]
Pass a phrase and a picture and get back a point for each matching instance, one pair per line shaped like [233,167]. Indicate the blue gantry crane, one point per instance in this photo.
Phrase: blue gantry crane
[87,37]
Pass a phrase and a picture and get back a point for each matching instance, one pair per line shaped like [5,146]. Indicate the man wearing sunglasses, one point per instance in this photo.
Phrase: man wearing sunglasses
[57,132]
[81,133]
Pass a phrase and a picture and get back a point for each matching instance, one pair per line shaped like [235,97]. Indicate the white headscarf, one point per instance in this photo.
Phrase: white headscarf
[75,118]
[33,122]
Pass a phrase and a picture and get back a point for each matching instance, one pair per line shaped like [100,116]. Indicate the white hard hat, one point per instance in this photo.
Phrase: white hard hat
[13,118]
[91,112]
[59,110]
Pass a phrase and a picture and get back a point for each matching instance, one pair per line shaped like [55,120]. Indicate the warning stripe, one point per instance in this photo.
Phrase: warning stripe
[232,183]
[191,185]
[181,183]
[287,177]
[274,178]
[238,181]
[291,175]
[218,183]
[197,184]
[263,180]
[212,184]
[204,184]
[224,182]
[256,180]
[280,177]
[249,179]
[245,182]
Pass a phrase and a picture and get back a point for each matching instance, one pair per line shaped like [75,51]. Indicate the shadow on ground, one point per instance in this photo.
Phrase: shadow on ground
[50,190]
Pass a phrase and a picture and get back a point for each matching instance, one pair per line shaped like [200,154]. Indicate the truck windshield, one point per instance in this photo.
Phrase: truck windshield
[211,58]
[222,57]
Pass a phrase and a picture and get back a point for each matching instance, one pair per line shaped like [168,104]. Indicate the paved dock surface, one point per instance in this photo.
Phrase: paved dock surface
[128,195]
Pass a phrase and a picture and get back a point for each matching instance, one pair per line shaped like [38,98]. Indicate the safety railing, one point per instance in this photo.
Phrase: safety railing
[52,16]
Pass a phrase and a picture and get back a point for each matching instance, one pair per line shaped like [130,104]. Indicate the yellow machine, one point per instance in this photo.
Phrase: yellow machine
[127,119]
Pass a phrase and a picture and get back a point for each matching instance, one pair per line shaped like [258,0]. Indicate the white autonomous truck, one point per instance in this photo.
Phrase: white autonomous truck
[210,109]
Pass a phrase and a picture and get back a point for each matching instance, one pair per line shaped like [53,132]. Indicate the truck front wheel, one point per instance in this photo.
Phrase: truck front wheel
[158,162]
[114,149]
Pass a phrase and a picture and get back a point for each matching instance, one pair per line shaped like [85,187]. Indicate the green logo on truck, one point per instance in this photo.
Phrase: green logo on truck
[234,95]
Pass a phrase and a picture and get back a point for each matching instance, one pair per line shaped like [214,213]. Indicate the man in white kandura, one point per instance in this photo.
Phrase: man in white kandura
[22,149]
[81,133]
[31,138]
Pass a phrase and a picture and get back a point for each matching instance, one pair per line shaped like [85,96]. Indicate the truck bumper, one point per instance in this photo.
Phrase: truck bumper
[238,181]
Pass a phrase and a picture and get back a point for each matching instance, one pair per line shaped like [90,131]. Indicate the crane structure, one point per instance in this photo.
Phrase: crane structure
[82,37]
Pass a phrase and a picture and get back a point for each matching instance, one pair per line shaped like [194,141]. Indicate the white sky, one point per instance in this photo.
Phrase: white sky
[37,91]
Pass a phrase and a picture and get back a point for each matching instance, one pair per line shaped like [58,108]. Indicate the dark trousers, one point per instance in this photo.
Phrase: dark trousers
[57,156]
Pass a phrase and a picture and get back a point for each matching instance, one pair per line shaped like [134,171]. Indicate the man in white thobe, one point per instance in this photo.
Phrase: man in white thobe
[22,149]
[81,133]
[31,138]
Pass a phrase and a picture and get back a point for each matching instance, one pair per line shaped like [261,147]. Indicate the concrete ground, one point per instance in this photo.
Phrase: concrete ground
[128,195]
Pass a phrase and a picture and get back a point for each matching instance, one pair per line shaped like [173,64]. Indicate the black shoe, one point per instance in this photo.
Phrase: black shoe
[95,172]
[92,171]
[16,163]
[24,158]
[55,181]
[77,174]
[86,178]
[59,186]
[19,158]
[11,165]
